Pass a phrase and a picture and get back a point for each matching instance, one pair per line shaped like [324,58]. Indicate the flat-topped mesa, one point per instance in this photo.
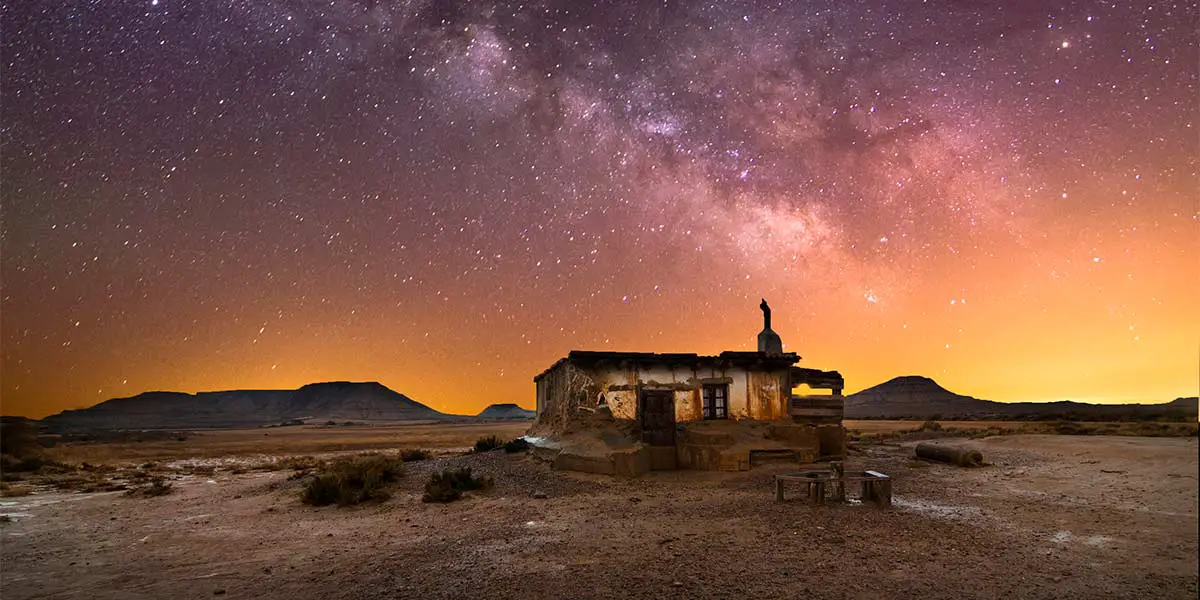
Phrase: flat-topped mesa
[768,340]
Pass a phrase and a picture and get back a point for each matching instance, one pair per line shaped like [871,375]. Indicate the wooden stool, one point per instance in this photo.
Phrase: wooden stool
[814,485]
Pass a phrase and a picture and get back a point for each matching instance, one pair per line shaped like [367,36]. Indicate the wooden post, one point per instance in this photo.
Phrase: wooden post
[818,488]
[885,492]
[839,473]
[778,490]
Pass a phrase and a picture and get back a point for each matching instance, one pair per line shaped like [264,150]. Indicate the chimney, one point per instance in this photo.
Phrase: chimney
[768,341]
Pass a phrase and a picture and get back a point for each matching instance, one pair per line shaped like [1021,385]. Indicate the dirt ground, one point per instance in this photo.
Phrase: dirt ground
[268,442]
[1051,517]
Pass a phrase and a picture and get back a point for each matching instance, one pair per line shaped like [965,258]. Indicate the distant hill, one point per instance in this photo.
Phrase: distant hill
[915,397]
[506,411]
[339,400]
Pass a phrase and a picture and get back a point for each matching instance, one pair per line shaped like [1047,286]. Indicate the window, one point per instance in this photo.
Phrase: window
[716,401]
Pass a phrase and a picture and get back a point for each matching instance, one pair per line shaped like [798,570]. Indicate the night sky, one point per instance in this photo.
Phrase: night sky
[447,197]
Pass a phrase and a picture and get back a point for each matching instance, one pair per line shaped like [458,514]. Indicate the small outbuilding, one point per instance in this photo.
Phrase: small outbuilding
[630,412]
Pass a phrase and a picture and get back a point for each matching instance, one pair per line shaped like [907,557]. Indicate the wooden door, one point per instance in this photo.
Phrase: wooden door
[656,410]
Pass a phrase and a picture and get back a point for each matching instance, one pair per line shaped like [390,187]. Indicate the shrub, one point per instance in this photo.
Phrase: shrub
[517,445]
[930,425]
[323,490]
[413,455]
[104,486]
[487,444]
[449,485]
[301,463]
[1069,428]
[23,465]
[38,466]
[354,480]
[16,490]
[157,487]
[68,481]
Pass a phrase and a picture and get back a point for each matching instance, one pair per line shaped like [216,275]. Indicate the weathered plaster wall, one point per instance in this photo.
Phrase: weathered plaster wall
[767,394]
[566,389]
[752,395]
[560,394]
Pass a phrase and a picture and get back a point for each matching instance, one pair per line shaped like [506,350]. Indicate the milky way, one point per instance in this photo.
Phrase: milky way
[447,197]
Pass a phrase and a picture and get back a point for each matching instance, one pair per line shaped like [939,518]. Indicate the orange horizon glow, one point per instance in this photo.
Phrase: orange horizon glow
[1108,338]
[1109,320]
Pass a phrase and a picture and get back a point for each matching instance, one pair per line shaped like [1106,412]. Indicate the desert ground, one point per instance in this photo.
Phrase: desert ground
[266,443]
[1051,516]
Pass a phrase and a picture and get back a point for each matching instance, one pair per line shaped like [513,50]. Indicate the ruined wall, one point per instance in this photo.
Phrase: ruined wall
[619,387]
[767,394]
[561,392]
[566,390]
[752,395]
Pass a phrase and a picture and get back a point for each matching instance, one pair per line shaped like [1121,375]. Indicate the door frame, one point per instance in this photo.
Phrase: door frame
[643,393]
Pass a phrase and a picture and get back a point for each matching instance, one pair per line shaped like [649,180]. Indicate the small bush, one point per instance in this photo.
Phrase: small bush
[323,490]
[32,464]
[930,425]
[104,486]
[1069,428]
[16,490]
[449,485]
[517,445]
[301,463]
[351,481]
[487,444]
[414,455]
[69,482]
[157,487]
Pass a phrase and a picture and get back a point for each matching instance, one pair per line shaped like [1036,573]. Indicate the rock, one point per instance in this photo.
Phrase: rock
[540,495]
[218,592]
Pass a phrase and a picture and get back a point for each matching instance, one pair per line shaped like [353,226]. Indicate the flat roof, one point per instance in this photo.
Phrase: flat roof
[727,358]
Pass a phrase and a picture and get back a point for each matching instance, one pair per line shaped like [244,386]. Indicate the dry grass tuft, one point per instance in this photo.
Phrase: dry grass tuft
[489,443]
[449,485]
[350,481]
[157,487]
[414,455]
[13,491]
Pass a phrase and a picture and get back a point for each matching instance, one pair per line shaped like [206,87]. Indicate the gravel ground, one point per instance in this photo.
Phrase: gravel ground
[1051,517]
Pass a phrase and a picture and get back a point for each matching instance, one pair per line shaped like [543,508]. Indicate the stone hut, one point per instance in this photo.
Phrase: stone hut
[630,412]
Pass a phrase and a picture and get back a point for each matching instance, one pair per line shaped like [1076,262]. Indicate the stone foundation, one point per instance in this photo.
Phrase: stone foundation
[701,445]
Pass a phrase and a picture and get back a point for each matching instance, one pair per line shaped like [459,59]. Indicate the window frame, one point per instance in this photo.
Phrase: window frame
[710,393]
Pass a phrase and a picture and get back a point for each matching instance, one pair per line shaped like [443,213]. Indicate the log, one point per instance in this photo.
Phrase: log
[962,457]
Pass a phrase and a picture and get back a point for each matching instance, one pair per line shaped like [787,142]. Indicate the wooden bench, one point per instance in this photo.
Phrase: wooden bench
[875,487]
[813,483]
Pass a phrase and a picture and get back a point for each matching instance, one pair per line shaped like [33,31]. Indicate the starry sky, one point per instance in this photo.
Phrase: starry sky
[446,197]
